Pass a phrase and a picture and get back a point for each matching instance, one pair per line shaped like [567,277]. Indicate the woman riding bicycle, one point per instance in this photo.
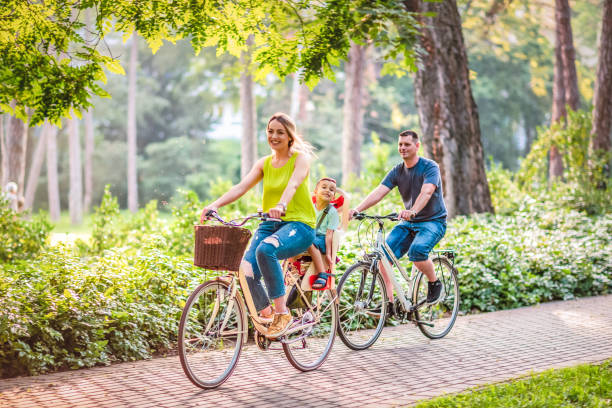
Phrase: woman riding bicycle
[286,196]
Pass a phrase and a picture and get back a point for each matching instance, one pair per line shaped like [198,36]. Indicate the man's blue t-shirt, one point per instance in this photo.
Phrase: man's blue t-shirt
[409,182]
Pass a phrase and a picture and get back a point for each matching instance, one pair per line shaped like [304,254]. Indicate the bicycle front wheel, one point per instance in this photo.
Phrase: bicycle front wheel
[435,321]
[362,310]
[314,331]
[211,333]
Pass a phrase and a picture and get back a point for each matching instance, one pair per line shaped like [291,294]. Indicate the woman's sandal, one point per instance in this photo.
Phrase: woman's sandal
[321,282]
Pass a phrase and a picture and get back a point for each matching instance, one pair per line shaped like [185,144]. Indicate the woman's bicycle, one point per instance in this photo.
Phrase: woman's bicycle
[363,295]
[214,324]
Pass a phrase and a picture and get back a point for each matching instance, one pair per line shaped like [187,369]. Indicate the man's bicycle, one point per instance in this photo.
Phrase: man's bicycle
[363,295]
[214,324]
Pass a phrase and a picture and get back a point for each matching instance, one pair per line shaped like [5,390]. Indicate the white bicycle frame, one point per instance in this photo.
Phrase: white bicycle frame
[382,249]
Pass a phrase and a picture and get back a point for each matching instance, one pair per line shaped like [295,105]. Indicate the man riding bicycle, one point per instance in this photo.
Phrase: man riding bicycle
[424,218]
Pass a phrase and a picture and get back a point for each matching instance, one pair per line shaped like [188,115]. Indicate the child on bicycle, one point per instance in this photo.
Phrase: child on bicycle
[328,221]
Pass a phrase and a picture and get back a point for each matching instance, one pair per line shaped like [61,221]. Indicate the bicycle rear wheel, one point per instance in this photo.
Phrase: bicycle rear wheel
[362,311]
[211,333]
[436,321]
[308,348]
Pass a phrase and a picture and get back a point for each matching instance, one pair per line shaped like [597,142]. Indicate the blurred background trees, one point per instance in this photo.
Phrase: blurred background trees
[193,114]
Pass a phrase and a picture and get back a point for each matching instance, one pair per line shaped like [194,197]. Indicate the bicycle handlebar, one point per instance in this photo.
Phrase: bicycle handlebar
[392,216]
[263,216]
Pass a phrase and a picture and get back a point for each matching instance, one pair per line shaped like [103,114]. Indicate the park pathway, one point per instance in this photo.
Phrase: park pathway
[400,369]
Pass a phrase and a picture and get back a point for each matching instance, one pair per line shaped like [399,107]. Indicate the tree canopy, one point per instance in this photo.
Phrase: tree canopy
[49,65]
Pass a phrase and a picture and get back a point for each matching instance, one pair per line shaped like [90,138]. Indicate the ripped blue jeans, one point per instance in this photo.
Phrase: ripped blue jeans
[287,239]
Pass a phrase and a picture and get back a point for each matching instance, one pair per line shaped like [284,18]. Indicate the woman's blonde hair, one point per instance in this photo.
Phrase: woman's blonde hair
[296,142]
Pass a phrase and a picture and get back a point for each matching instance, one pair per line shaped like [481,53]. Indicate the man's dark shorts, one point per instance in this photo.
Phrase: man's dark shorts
[418,244]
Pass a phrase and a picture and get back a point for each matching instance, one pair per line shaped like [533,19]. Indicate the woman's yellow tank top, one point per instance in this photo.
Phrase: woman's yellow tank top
[300,208]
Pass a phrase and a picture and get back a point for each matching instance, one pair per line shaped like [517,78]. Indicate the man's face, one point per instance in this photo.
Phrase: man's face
[407,147]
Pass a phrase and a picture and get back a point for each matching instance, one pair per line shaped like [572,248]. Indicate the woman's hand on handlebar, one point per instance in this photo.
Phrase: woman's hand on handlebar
[276,212]
[205,213]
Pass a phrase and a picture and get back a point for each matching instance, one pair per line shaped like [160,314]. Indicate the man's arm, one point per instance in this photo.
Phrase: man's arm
[421,201]
[372,199]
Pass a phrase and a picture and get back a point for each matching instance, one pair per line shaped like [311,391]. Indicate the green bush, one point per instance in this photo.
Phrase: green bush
[21,239]
[585,185]
[62,311]
[533,256]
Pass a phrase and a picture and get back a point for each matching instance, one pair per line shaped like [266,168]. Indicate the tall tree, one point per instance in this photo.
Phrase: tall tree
[37,161]
[75,192]
[14,155]
[88,160]
[565,87]
[89,133]
[132,176]
[602,99]
[353,110]
[247,108]
[52,178]
[555,167]
[447,111]
[568,53]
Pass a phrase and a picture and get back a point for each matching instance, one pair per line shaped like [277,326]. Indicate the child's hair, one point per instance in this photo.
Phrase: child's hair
[325,179]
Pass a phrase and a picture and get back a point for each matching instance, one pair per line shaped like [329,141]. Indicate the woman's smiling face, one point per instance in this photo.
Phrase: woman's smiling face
[278,138]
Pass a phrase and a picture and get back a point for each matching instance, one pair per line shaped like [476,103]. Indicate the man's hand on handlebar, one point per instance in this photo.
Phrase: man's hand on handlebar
[407,215]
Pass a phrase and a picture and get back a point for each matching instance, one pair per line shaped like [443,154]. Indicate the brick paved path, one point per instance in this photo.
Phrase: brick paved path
[401,368]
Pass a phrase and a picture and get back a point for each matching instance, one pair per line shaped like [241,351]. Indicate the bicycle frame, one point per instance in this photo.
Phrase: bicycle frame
[250,310]
[382,250]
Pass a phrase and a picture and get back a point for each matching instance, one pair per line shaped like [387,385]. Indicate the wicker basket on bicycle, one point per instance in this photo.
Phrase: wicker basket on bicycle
[220,247]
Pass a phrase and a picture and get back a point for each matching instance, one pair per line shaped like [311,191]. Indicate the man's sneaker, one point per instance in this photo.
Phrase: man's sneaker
[279,326]
[435,292]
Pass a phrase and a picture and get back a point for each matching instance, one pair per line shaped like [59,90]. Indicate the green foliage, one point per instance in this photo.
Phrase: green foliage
[537,254]
[21,239]
[104,234]
[588,385]
[65,312]
[50,67]
[505,194]
[40,44]
[581,186]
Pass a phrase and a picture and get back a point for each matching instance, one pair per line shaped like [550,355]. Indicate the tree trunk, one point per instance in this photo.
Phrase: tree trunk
[555,167]
[602,99]
[353,110]
[14,155]
[247,107]
[89,129]
[75,193]
[88,160]
[303,97]
[37,162]
[447,111]
[132,177]
[568,53]
[565,94]
[52,178]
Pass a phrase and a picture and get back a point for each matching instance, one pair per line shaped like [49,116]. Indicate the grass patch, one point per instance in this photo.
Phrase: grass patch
[588,385]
